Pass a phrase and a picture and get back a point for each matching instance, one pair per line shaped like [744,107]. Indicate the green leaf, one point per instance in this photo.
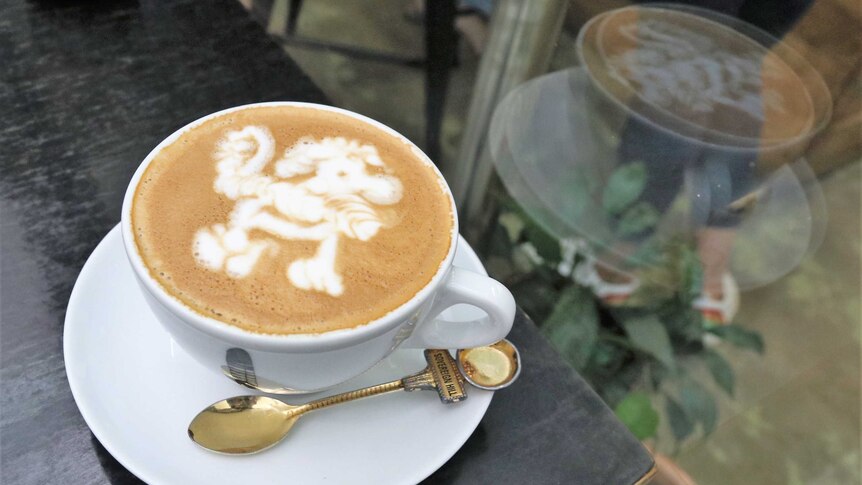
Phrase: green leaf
[649,254]
[637,413]
[683,323]
[546,245]
[657,374]
[606,355]
[738,336]
[573,325]
[613,393]
[576,201]
[637,219]
[680,424]
[691,275]
[649,335]
[699,405]
[624,187]
[625,377]
[513,224]
[720,369]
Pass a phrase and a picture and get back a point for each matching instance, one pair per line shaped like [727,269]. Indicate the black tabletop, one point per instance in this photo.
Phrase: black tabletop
[87,89]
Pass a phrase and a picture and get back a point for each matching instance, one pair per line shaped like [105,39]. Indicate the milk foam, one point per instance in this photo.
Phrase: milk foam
[675,64]
[322,191]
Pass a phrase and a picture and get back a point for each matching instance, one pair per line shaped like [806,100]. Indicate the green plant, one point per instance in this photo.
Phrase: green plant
[636,355]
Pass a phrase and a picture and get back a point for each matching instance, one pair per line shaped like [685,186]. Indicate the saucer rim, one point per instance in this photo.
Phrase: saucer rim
[95,424]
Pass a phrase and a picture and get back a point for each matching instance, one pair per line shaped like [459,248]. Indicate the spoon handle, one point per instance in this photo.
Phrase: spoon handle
[352,396]
[441,375]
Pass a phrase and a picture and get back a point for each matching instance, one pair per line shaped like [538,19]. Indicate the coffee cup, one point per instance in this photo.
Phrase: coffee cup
[306,358]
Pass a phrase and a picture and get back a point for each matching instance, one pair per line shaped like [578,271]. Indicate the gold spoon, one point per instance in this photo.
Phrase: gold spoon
[250,424]
[491,367]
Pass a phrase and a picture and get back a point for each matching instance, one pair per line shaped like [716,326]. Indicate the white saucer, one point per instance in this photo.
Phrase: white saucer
[138,390]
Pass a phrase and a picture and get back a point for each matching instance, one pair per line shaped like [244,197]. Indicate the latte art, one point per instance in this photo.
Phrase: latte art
[704,73]
[673,64]
[323,190]
[290,219]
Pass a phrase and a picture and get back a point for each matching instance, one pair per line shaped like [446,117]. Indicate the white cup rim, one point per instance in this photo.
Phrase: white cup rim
[298,343]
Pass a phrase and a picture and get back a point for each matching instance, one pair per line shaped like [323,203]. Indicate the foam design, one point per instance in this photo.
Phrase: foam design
[322,190]
[674,64]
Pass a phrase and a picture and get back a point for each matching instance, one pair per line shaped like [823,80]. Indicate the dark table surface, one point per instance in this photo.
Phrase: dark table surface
[87,89]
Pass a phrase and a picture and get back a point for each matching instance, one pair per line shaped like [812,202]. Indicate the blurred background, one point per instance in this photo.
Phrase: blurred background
[671,191]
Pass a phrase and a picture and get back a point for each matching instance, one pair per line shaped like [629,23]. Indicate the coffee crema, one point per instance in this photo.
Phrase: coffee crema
[287,219]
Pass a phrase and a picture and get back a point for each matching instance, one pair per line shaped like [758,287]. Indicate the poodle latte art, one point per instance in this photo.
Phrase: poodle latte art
[288,219]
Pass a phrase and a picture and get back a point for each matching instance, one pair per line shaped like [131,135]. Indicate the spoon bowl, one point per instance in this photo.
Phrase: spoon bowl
[491,367]
[243,424]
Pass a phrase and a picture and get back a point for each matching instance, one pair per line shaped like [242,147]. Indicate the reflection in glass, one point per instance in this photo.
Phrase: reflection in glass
[681,126]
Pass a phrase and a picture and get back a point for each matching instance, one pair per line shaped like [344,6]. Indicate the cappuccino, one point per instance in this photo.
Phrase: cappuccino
[289,219]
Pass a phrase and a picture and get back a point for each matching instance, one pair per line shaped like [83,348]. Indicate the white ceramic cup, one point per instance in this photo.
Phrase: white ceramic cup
[310,362]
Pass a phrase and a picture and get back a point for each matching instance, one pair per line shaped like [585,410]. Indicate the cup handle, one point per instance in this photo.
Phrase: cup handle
[465,287]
